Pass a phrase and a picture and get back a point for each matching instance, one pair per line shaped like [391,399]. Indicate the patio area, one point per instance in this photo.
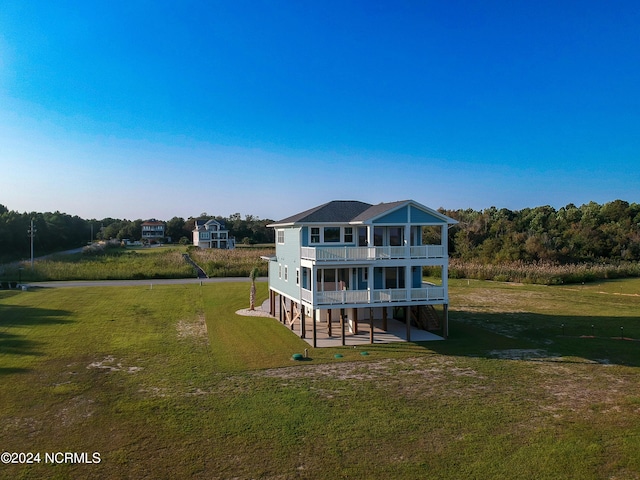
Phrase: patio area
[396,331]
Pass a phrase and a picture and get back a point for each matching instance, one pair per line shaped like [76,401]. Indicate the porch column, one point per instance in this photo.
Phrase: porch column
[445,260]
[384,319]
[407,319]
[329,321]
[291,313]
[371,325]
[272,303]
[342,325]
[313,328]
[303,327]
[355,321]
[370,235]
[445,321]
[282,307]
[407,238]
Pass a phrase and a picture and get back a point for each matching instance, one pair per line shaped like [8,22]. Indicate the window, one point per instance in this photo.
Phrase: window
[395,236]
[331,234]
[281,236]
[378,236]
[348,234]
[297,276]
[362,237]
[279,270]
[394,277]
[315,234]
[286,273]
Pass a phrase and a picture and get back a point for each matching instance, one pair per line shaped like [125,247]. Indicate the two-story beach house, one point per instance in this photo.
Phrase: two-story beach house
[212,234]
[153,230]
[349,262]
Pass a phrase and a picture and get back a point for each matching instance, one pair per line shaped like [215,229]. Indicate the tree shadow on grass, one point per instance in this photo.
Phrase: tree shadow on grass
[13,319]
[524,335]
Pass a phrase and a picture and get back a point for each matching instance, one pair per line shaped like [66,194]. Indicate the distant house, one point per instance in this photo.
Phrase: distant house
[212,234]
[153,230]
[349,262]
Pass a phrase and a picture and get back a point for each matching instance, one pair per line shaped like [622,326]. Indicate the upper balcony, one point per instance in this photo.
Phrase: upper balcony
[362,254]
[428,293]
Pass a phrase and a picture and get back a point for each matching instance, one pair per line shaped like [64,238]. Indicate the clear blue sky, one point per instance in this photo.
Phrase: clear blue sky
[139,109]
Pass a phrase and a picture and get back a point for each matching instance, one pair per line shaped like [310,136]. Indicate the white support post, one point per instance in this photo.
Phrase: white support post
[445,260]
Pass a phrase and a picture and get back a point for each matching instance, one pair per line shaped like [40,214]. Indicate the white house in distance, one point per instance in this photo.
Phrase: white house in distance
[212,234]
[347,263]
[153,230]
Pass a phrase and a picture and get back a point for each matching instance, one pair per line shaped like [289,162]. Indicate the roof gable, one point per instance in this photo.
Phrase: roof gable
[351,211]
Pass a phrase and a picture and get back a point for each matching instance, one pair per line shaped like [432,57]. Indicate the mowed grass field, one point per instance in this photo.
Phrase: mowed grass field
[168,382]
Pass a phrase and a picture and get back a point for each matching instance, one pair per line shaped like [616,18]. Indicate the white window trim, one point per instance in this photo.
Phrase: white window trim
[342,235]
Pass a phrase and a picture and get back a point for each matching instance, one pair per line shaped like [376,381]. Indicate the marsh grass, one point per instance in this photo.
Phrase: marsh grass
[231,263]
[131,373]
[112,264]
[543,273]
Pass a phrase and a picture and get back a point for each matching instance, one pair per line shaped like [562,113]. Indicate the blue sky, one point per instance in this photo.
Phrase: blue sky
[141,109]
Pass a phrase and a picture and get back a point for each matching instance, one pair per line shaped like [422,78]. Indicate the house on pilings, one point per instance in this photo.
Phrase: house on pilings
[348,272]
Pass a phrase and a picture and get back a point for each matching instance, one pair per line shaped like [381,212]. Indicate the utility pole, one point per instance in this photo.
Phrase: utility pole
[32,233]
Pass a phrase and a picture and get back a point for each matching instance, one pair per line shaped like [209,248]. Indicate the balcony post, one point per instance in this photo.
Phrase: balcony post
[445,261]
[407,238]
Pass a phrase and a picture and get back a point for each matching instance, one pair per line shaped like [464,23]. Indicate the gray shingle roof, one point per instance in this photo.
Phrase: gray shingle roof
[346,211]
[335,211]
[376,210]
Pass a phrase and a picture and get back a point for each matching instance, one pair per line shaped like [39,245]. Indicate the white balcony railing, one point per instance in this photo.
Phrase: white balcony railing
[389,295]
[359,254]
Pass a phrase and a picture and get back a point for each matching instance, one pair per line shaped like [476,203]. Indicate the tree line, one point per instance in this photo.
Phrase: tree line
[56,231]
[571,234]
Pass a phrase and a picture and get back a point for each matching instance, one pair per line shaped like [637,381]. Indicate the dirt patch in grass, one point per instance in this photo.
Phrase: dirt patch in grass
[590,390]
[195,330]
[108,364]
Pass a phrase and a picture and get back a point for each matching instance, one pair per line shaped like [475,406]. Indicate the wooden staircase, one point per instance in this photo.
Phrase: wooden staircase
[426,317]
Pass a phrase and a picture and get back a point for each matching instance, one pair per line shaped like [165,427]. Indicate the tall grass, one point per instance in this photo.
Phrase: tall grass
[231,263]
[109,264]
[542,273]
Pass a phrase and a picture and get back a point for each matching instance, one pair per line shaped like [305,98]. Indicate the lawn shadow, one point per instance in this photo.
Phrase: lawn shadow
[13,318]
[529,336]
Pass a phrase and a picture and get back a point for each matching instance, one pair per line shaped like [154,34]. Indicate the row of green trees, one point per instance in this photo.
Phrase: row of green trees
[59,231]
[53,232]
[571,234]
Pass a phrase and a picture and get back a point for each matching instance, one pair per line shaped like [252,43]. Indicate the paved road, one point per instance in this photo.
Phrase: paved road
[133,283]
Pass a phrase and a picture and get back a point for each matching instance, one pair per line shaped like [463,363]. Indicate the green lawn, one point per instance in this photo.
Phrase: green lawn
[169,383]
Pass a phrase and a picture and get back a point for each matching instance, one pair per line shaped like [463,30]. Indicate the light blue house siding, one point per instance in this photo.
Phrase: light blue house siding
[284,269]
